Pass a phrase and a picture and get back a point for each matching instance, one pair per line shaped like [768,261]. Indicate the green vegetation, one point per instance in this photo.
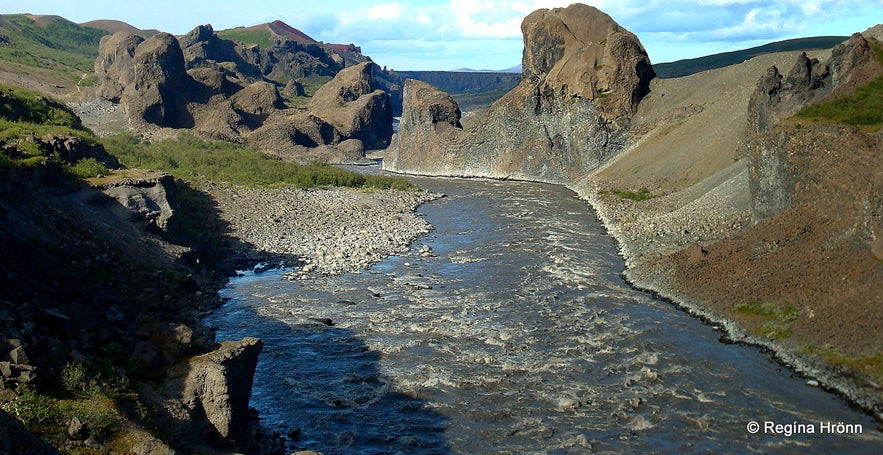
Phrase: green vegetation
[772,318]
[864,107]
[189,157]
[87,168]
[262,38]
[870,366]
[641,195]
[687,67]
[93,394]
[55,44]
[18,105]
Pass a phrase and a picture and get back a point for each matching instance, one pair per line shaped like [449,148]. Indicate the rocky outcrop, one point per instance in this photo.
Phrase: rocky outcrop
[218,88]
[147,200]
[346,116]
[583,76]
[773,152]
[351,103]
[147,76]
[205,398]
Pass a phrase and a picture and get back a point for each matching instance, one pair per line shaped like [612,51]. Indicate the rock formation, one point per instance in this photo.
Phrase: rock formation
[583,75]
[206,397]
[147,200]
[774,152]
[346,116]
[217,87]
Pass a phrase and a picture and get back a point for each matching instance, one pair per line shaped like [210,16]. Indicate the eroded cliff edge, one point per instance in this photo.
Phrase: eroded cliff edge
[720,200]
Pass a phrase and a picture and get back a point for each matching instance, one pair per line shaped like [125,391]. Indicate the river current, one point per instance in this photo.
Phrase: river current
[516,334]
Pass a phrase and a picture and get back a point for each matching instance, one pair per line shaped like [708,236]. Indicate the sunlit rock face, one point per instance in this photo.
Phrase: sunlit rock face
[583,77]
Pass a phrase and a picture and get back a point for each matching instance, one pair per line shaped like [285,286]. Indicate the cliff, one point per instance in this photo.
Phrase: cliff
[721,200]
[583,76]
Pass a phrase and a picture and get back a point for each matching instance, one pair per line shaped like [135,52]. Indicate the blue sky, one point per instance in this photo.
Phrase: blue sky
[485,34]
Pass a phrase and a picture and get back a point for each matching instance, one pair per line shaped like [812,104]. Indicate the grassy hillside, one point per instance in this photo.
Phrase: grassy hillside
[864,107]
[55,44]
[695,65]
[262,38]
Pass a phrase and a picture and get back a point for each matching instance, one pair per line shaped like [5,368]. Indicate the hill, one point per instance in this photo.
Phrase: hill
[60,50]
[113,26]
[690,66]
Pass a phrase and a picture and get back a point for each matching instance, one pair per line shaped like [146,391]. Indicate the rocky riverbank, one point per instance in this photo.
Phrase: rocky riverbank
[327,231]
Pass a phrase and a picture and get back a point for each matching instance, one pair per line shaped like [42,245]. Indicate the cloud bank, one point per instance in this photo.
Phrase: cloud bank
[405,33]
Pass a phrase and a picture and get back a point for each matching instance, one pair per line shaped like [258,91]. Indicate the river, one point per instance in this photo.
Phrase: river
[516,334]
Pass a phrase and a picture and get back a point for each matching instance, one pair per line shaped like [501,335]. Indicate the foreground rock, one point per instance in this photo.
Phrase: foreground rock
[205,398]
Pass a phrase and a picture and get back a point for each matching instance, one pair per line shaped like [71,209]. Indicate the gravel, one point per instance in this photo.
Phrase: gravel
[328,231]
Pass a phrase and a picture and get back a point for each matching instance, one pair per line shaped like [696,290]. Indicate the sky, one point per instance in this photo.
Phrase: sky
[486,34]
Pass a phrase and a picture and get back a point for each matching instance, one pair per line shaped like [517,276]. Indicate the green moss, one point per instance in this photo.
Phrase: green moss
[869,366]
[767,319]
[786,313]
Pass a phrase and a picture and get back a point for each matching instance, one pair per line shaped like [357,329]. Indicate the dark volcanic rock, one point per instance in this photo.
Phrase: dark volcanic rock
[583,76]
[773,173]
[158,95]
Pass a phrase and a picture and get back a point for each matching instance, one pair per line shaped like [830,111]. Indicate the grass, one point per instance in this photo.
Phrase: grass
[641,195]
[864,107]
[870,366]
[18,105]
[771,318]
[59,45]
[261,38]
[189,158]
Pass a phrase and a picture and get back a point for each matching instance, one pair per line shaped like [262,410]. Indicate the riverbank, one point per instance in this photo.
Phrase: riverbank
[662,239]
[318,231]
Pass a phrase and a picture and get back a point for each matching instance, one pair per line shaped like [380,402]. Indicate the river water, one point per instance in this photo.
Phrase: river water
[516,335]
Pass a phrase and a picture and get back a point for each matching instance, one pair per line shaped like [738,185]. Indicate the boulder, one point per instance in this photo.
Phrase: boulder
[114,65]
[206,397]
[258,99]
[159,94]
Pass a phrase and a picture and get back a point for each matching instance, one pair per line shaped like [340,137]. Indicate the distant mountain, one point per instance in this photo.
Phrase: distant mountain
[690,66]
[263,35]
[113,26]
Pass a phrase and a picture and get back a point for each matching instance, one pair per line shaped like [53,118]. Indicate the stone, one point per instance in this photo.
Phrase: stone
[207,396]
[18,356]
[76,430]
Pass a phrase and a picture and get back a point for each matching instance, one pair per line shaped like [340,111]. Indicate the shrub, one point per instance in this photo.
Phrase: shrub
[188,157]
[87,168]
[29,406]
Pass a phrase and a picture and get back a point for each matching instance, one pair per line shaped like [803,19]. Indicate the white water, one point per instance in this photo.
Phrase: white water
[518,336]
